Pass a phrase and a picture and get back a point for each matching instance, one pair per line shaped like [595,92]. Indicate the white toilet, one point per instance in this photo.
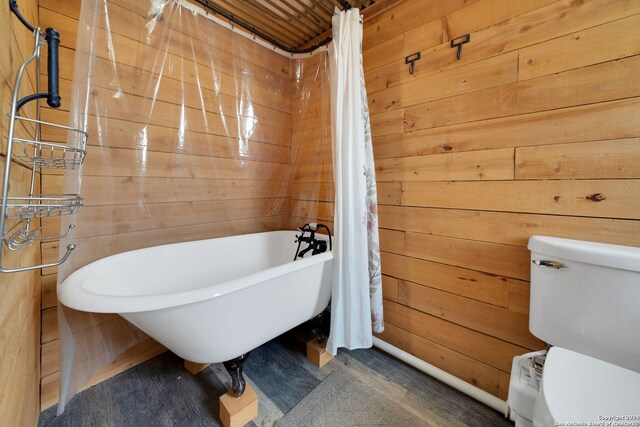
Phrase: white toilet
[585,302]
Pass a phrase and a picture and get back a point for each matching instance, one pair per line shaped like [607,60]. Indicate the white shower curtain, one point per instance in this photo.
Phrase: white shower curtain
[356,304]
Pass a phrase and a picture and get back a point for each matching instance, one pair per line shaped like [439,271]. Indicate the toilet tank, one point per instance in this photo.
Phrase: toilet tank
[585,297]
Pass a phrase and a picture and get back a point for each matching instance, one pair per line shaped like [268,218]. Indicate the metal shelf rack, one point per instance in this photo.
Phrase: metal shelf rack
[19,212]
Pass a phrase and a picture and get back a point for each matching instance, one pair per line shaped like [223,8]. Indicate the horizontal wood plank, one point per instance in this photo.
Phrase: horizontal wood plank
[589,198]
[405,17]
[390,50]
[391,241]
[390,288]
[596,122]
[507,227]
[584,160]
[567,89]
[129,190]
[118,219]
[492,351]
[486,318]
[119,162]
[519,292]
[469,166]
[613,40]
[497,71]
[485,13]
[426,36]
[488,288]
[494,258]
[463,367]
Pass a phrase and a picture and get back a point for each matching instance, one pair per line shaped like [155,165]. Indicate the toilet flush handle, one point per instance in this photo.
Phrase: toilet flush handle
[546,263]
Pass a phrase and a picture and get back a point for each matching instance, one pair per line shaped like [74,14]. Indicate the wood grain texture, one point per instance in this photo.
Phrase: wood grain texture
[505,260]
[486,13]
[238,411]
[454,256]
[495,321]
[479,346]
[147,180]
[390,288]
[593,122]
[384,53]
[464,367]
[120,219]
[19,292]
[405,17]
[484,287]
[567,89]
[470,166]
[582,160]
[493,72]
[588,198]
[613,40]
[532,131]
[391,241]
[554,20]
[506,227]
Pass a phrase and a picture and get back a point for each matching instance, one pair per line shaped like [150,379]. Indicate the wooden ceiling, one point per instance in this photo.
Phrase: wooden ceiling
[291,24]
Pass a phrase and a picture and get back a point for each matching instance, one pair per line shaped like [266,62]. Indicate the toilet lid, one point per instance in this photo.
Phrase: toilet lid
[579,388]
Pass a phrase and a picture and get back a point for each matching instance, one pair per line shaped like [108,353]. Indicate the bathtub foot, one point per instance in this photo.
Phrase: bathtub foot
[238,411]
[318,328]
[195,368]
[234,368]
[317,354]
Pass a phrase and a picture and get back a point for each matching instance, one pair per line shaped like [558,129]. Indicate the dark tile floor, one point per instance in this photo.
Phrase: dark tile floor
[160,392]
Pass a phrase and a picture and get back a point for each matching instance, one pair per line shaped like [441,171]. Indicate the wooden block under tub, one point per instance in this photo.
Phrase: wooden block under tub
[316,354]
[195,368]
[238,411]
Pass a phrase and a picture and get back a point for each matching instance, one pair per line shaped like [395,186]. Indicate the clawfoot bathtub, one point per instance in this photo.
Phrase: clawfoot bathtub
[208,301]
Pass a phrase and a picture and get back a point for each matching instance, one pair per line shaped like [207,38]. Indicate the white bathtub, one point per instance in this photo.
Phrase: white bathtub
[208,301]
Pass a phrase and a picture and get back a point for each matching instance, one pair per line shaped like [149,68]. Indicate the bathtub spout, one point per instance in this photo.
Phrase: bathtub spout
[234,368]
[303,252]
[318,246]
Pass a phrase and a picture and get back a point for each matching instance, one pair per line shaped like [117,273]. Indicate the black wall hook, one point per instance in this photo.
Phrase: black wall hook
[458,42]
[411,59]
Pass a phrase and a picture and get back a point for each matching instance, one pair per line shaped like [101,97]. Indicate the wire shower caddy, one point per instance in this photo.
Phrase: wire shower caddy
[20,212]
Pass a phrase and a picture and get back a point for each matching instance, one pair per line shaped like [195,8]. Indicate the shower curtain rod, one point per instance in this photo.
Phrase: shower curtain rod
[257,32]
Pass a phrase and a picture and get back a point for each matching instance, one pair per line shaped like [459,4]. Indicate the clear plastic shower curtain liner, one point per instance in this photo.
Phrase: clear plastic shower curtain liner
[195,132]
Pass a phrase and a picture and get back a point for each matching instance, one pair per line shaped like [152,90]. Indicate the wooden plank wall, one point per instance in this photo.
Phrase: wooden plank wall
[533,131]
[19,292]
[198,185]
